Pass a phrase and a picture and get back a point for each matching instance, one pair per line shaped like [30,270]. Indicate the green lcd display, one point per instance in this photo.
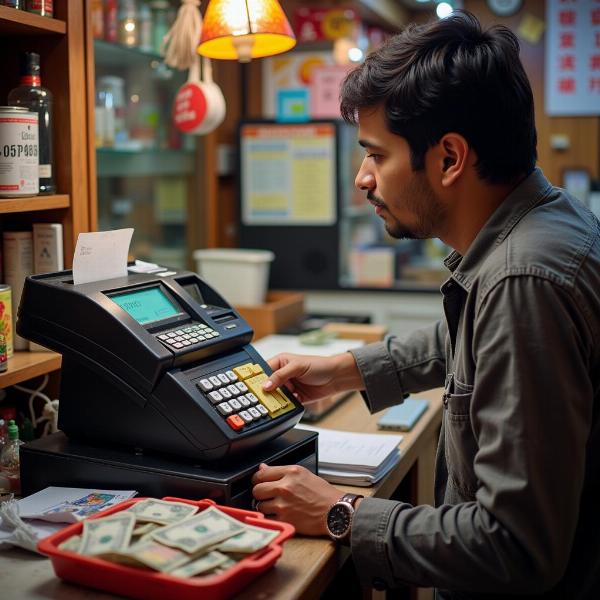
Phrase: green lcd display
[147,305]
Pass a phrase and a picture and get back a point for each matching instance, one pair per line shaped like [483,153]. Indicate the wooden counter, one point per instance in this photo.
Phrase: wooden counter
[307,565]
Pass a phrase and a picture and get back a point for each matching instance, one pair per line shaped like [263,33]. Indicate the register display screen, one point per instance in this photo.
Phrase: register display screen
[147,305]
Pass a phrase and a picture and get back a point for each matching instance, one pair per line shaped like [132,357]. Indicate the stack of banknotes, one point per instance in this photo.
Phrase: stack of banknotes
[170,537]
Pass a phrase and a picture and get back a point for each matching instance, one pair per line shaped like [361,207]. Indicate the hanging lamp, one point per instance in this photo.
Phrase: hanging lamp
[245,29]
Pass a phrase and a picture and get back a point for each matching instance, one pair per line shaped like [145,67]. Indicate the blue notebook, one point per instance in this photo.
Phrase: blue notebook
[403,416]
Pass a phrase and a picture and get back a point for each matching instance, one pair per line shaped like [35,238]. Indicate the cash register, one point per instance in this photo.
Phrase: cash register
[160,391]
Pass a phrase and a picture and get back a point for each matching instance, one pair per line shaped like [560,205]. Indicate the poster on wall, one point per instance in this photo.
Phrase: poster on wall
[288,174]
[572,61]
[292,70]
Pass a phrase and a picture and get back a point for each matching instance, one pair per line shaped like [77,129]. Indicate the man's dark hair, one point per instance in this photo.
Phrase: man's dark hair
[450,76]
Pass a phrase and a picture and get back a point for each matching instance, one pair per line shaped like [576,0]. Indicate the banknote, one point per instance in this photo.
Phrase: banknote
[230,562]
[161,511]
[157,556]
[200,531]
[71,544]
[108,534]
[145,528]
[249,540]
[205,563]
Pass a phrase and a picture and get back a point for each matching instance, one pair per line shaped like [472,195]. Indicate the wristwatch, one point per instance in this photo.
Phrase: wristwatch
[339,518]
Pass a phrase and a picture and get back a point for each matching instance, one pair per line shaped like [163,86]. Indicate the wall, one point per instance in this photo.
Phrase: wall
[401,312]
[583,132]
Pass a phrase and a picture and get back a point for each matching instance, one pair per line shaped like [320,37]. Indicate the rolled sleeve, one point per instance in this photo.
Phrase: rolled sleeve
[369,529]
[396,367]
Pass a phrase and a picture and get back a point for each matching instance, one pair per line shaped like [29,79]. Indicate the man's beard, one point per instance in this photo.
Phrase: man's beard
[419,198]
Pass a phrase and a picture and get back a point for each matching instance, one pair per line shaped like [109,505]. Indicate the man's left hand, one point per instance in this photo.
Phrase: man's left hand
[295,495]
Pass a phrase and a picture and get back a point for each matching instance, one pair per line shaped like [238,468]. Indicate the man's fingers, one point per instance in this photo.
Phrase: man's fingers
[265,474]
[263,491]
[283,374]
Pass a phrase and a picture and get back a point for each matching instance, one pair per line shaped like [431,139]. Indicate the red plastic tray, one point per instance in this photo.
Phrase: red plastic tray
[150,585]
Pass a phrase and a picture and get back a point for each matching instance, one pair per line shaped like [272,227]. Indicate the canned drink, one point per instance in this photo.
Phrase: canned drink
[19,162]
[6,322]
[3,354]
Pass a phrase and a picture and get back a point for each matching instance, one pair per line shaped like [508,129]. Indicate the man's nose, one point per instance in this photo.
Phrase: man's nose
[364,181]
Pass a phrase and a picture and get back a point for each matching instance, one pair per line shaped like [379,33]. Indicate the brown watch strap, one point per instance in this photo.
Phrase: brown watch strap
[350,499]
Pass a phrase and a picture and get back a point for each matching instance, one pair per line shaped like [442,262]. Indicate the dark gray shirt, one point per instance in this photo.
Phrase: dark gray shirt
[518,465]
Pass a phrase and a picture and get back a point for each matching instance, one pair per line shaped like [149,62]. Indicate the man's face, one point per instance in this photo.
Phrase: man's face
[402,197]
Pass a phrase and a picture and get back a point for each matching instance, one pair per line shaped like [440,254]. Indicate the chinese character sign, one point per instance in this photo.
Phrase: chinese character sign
[572,57]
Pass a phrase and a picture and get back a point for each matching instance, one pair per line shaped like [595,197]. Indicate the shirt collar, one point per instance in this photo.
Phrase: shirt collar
[512,209]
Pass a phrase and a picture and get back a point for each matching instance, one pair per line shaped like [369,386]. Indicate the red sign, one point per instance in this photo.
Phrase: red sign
[189,108]
[317,24]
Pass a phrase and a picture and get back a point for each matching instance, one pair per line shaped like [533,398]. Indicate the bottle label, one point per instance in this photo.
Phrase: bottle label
[41,7]
[32,80]
[45,171]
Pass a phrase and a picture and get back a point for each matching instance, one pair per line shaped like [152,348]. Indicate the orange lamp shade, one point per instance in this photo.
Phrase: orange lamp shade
[245,29]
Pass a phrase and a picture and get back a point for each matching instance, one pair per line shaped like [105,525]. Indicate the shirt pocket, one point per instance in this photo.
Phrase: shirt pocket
[460,443]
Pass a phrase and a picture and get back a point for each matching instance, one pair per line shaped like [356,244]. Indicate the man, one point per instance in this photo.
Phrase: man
[445,114]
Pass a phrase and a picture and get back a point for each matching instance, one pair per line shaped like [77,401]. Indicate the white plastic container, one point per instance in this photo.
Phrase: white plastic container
[240,276]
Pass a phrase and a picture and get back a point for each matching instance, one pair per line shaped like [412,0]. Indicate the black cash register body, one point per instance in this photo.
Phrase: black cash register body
[160,389]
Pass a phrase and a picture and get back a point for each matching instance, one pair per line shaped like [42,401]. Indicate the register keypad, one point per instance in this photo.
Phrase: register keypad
[238,396]
[188,336]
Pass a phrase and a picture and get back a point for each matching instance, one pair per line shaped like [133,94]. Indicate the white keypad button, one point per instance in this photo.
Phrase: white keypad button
[235,404]
[244,401]
[256,412]
[246,416]
[215,381]
[215,396]
[233,389]
[242,386]
[223,378]
[232,376]
[206,385]
[224,408]
[226,393]
[253,399]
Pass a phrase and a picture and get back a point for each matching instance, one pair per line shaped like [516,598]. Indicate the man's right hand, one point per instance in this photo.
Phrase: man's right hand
[313,378]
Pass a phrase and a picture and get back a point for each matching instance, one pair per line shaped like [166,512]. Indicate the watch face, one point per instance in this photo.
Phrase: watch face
[339,518]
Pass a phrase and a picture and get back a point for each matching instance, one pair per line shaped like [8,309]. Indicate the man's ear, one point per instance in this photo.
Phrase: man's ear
[453,152]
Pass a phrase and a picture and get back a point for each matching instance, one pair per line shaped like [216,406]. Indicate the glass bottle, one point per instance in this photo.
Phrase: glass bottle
[97,18]
[13,3]
[9,458]
[113,88]
[128,23]
[111,21]
[145,27]
[160,23]
[36,98]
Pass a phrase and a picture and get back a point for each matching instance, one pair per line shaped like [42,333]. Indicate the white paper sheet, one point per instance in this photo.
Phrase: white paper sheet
[101,255]
[69,505]
[271,345]
[357,452]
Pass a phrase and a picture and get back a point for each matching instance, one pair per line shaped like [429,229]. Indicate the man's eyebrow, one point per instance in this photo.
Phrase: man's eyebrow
[371,145]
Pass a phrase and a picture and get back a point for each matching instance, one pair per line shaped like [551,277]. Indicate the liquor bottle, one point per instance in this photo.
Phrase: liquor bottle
[32,95]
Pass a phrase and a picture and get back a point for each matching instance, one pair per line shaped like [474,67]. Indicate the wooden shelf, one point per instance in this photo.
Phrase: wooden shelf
[33,203]
[25,365]
[20,22]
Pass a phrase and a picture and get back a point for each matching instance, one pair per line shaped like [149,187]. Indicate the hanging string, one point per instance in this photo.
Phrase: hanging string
[180,43]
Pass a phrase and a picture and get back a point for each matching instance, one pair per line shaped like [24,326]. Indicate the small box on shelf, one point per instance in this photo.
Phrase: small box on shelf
[280,310]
